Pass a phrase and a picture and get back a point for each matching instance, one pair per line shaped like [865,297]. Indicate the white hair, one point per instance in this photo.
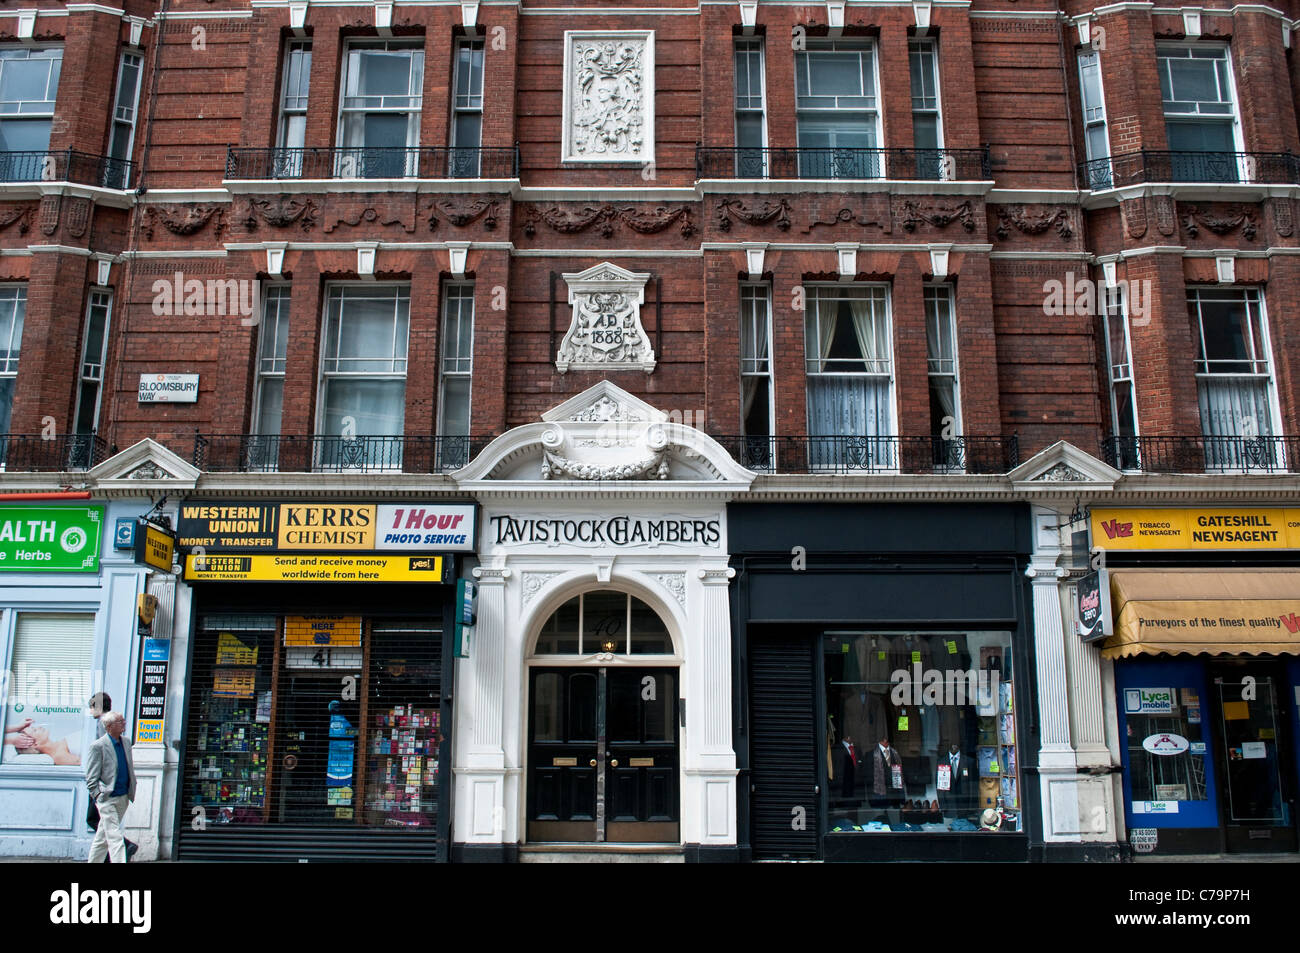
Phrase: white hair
[112,718]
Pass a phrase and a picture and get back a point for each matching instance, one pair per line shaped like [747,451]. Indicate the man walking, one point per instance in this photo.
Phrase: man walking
[110,778]
[98,704]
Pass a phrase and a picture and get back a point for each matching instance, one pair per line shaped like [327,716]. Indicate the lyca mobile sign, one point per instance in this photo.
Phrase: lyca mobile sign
[50,538]
[1209,529]
[335,527]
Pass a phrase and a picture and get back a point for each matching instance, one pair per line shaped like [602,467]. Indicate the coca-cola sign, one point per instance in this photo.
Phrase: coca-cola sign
[1093,619]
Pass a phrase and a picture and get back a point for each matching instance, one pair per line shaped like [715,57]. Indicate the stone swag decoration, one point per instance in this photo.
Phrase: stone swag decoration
[281,212]
[1033,221]
[765,213]
[603,219]
[606,333]
[183,220]
[1233,216]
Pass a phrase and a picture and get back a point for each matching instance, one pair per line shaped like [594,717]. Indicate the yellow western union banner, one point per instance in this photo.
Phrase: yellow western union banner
[259,567]
[1265,527]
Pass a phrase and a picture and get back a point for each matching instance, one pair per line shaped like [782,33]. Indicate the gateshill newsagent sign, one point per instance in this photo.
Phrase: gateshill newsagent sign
[1265,527]
[322,542]
[50,538]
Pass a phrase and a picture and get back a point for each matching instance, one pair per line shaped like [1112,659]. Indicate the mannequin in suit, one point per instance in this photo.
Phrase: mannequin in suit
[960,799]
[883,759]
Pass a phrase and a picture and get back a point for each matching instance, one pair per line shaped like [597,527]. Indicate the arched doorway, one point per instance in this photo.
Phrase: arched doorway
[603,733]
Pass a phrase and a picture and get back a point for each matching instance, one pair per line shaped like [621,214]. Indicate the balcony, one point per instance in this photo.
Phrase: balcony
[373,163]
[911,455]
[1245,168]
[1203,454]
[272,453]
[81,168]
[938,165]
[34,453]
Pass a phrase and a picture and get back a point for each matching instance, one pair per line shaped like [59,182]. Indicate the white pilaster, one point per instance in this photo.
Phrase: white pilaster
[707,754]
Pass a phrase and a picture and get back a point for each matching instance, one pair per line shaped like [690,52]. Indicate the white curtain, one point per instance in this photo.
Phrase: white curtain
[871,334]
[849,406]
[1228,408]
[826,315]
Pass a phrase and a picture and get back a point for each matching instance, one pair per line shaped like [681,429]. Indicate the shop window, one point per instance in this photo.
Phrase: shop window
[921,732]
[29,84]
[363,377]
[294,83]
[379,122]
[751,110]
[50,681]
[604,621]
[838,113]
[329,721]
[13,309]
[1234,378]
[849,362]
[1196,90]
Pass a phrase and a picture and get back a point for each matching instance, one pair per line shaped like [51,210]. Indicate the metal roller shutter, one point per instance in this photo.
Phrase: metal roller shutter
[313,738]
[783,753]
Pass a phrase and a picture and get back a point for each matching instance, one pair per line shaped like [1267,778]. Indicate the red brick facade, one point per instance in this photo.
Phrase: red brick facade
[1009,81]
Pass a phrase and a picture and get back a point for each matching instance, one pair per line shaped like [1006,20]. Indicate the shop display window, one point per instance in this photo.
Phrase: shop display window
[1166,746]
[314,720]
[921,732]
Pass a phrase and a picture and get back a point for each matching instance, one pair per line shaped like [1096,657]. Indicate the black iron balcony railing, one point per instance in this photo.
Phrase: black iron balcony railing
[861,454]
[1203,454]
[272,453]
[21,453]
[1262,168]
[67,166]
[373,163]
[940,165]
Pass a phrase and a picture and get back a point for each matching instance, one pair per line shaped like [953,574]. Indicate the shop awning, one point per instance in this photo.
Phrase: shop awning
[1221,611]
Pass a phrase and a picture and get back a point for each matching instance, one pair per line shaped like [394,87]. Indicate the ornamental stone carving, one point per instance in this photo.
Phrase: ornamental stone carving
[606,333]
[674,582]
[609,96]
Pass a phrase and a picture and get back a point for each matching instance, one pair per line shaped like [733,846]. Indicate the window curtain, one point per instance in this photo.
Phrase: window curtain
[825,333]
[1226,405]
[871,335]
[844,407]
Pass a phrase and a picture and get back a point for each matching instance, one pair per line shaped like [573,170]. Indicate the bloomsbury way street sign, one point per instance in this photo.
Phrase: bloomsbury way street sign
[50,538]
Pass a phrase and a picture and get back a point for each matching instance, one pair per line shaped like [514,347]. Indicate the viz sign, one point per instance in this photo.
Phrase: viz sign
[1165,743]
[168,389]
[1148,701]
[50,538]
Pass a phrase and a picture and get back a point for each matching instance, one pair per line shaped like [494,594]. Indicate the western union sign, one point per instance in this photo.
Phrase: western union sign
[1218,528]
[256,567]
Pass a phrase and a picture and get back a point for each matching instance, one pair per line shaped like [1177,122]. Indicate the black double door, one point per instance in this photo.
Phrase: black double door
[603,755]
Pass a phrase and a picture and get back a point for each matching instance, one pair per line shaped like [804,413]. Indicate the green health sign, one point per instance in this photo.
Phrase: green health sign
[50,538]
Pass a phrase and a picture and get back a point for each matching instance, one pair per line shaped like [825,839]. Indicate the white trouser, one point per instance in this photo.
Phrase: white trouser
[108,836]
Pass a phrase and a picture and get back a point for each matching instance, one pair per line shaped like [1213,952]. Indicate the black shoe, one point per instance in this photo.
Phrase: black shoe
[131,848]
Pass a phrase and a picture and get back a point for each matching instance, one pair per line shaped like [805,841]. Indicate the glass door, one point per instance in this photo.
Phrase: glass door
[1257,797]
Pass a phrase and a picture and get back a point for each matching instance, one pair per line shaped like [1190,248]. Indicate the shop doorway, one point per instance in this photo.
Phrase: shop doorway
[1252,724]
[603,755]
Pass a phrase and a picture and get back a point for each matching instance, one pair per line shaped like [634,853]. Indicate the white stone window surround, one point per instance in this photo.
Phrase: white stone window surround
[609,129]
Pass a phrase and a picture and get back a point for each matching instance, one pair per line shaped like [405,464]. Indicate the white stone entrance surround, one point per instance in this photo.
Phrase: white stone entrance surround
[638,505]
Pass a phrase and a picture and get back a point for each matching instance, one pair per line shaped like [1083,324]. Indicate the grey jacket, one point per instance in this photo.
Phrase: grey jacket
[101,767]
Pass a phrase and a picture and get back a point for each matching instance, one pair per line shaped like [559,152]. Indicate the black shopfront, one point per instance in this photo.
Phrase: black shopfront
[318,720]
[885,702]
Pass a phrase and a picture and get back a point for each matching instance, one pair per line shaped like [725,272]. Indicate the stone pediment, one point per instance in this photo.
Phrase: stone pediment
[605,434]
[146,466]
[1063,468]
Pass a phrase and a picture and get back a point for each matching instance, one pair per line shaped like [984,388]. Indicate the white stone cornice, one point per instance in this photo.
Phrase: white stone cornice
[842,186]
